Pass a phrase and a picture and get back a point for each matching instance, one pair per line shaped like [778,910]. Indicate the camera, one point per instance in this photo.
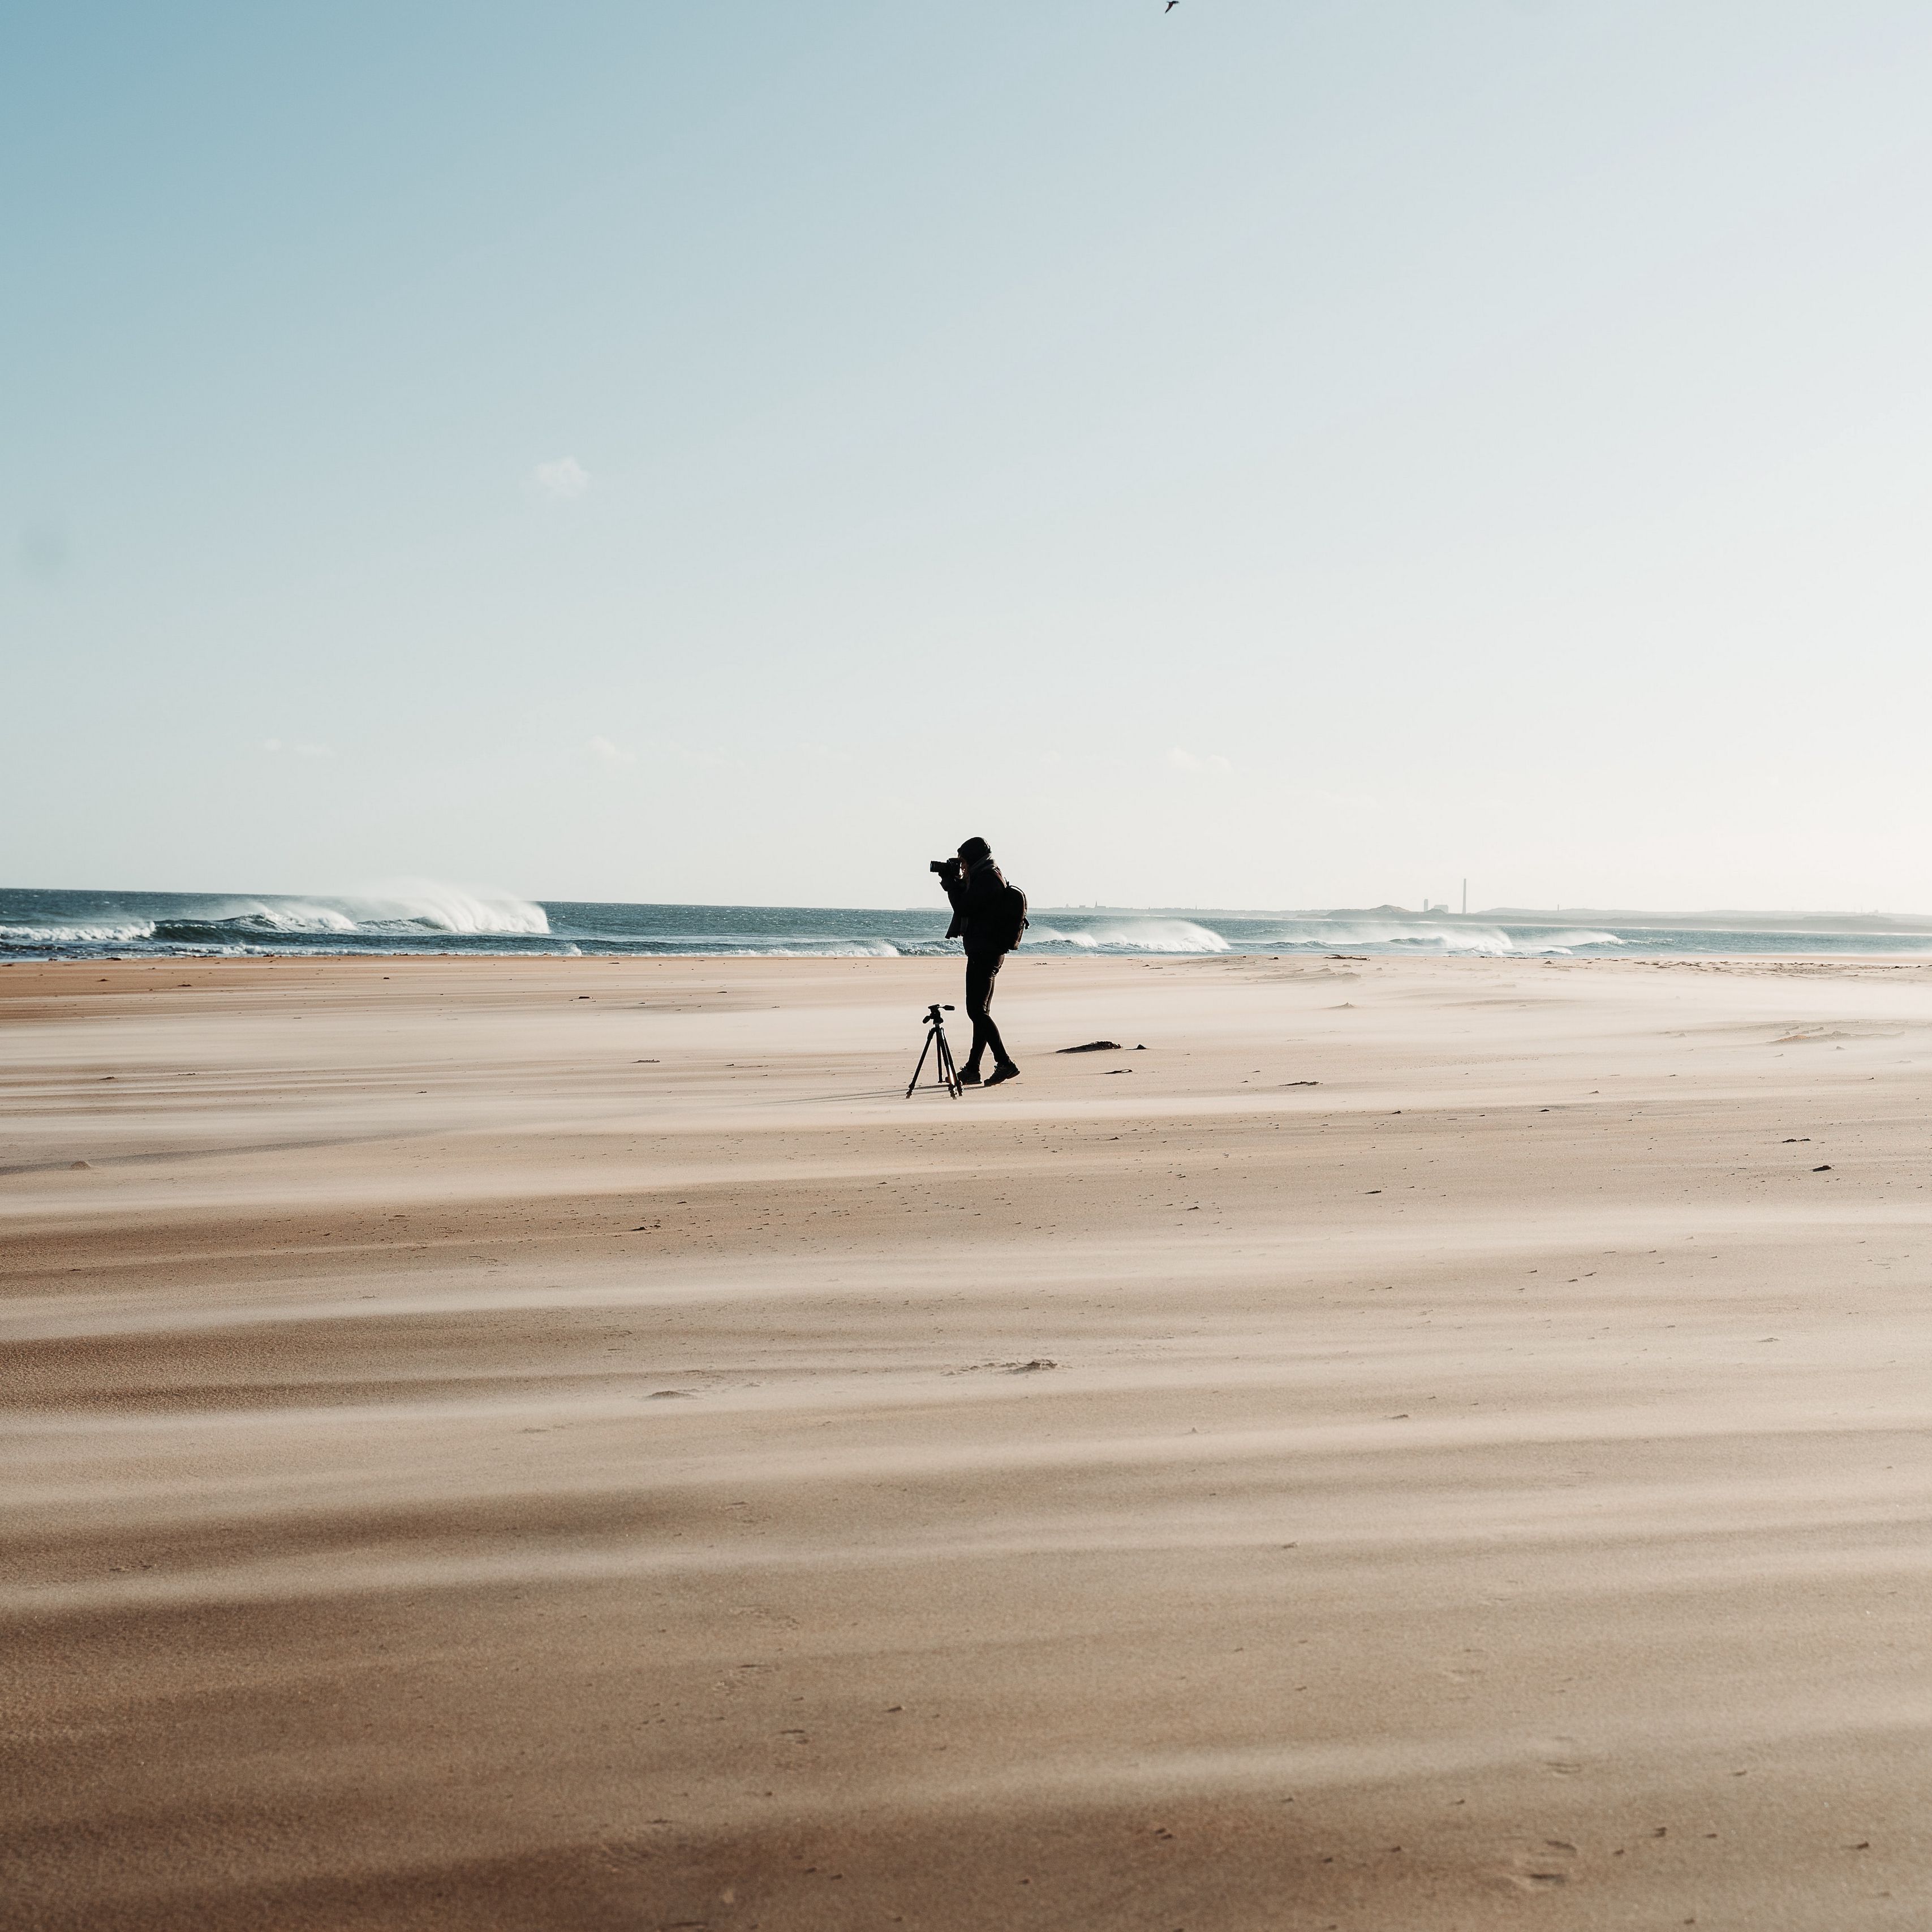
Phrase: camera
[942,866]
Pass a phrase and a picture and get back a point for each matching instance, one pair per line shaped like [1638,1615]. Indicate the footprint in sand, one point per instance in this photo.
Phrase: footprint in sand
[1541,1865]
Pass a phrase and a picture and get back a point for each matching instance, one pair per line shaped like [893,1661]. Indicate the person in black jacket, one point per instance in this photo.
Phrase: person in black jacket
[981,919]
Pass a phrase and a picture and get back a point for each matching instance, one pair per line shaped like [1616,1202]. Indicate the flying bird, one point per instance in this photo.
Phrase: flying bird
[1170,6]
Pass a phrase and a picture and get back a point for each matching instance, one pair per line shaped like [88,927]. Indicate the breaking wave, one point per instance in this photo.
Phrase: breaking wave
[266,917]
[1420,936]
[1568,939]
[692,945]
[1130,935]
[227,925]
[438,908]
[77,933]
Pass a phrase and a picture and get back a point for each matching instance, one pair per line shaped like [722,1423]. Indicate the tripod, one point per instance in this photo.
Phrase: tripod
[944,1073]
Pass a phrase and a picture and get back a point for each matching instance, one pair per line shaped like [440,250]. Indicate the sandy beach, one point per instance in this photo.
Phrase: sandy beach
[1402,1445]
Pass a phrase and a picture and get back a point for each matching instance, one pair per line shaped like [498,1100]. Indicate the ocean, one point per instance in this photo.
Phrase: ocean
[433,919]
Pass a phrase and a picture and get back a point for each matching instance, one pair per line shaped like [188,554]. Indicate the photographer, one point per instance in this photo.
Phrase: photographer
[989,916]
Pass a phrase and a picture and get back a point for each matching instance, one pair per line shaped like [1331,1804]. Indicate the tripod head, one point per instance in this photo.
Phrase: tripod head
[933,1012]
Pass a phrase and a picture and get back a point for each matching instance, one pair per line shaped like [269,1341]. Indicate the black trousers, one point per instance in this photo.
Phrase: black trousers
[981,970]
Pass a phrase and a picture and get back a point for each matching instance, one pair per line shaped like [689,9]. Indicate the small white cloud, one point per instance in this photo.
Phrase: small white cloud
[565,479]
[272,744]
[1182,759]
[699,759]
[601,748]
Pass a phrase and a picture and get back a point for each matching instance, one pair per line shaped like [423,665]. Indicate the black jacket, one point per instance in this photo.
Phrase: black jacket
[979,915]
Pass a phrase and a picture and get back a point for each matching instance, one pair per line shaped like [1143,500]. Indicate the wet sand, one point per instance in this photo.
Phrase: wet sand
[516,1443]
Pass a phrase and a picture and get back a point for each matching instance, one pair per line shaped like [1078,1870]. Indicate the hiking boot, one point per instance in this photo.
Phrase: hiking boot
[969,1076]
[1006,1070]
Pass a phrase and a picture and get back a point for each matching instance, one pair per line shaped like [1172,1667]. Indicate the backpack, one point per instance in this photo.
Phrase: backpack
[1013,915]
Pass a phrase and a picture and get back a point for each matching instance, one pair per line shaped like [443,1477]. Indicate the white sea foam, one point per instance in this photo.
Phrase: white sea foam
[429,904]
[1419,936]
[407,910]
[831,949]
[107,932]
[270,916]
[1570,939]
[1131,935]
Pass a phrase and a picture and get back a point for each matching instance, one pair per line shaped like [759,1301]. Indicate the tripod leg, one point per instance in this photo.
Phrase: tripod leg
[947,1072]
[921,1067]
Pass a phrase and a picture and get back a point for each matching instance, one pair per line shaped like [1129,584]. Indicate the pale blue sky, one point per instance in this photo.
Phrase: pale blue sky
[1265,454]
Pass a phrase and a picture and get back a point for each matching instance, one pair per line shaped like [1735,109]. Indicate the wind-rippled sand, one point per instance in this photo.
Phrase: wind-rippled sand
[554,1444]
